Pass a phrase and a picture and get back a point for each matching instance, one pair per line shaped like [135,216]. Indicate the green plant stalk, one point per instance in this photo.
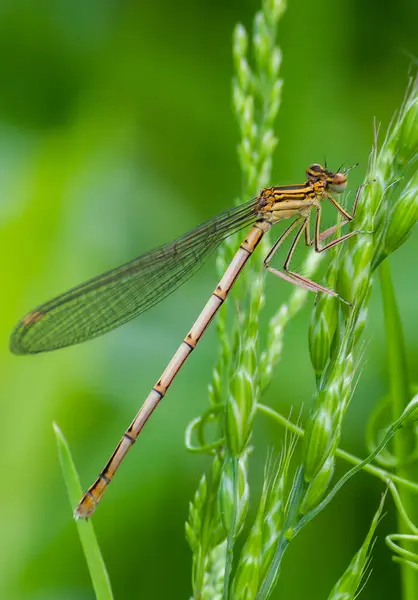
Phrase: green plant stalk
[231,534]
[334,359]
[399,506]
[256,99]
[350,458]
[399,390]
[402,421]
[270,581]
[336,374]
[402,556]
[335,365]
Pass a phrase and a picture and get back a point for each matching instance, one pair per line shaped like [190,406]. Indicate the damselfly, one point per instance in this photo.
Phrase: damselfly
[111,299]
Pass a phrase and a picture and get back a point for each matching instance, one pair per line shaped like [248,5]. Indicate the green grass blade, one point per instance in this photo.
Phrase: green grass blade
[94,558]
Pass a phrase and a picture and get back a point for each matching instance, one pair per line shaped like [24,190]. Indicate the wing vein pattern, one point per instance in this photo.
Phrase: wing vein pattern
[113,298]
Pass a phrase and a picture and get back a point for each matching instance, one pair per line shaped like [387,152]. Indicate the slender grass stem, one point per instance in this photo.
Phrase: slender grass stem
[399,392]
[350,458]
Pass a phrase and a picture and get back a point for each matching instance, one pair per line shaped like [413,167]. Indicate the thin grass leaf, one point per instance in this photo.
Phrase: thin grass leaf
[409,415]
[95,563]
[396,363]
[404,442]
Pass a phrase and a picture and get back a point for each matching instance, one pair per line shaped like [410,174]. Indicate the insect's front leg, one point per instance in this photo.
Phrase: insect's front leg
[347,217]
[288,275]
[318,237]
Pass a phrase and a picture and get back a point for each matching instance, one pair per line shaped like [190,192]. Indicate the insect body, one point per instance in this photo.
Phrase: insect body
[111,299]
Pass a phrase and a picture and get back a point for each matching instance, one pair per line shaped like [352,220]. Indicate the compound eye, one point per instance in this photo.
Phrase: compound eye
[314,171]
[339,183]
[339,178]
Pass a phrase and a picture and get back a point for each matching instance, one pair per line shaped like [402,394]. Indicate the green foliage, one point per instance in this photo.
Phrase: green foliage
[285,507]
[116,136]
[218,512]
[335,383]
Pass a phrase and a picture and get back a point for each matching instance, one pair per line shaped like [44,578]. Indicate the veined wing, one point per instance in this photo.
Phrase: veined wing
[109,300]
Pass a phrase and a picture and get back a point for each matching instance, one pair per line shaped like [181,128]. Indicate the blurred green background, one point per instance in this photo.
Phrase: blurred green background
[117,134]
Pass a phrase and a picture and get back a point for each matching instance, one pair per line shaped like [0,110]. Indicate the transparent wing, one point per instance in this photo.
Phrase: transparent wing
[111,299]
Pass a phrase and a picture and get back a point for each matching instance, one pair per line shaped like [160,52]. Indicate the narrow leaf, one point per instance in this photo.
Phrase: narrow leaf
[94,559]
